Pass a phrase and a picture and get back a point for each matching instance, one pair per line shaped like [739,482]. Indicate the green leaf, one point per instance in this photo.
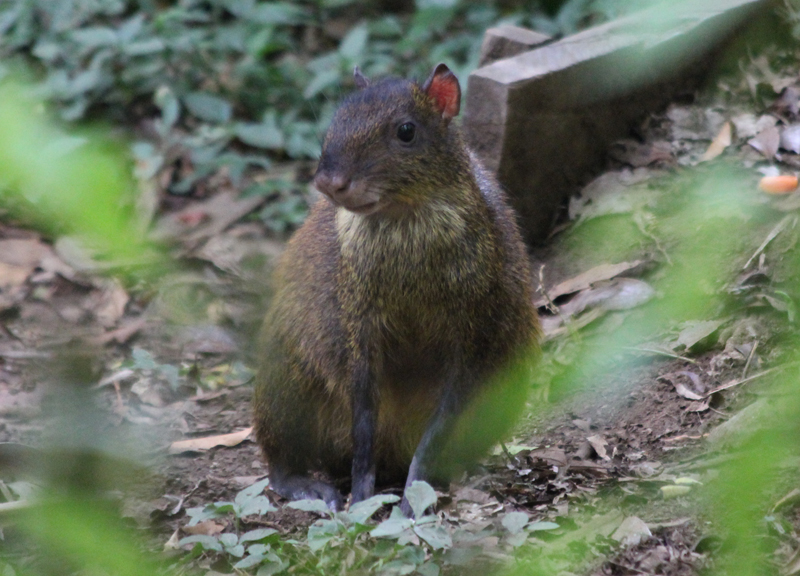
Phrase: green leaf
[514,522]
[536,526]
[131,28]
[144,47]
[412,554]
[208,107]
[393,526]
[353,45]
[142,359]
[170,107]
[46,50]
[274,565]
[257,505]
[249,561]
[277,13]
[228,540]
[429,569]
[306,505]
[256,535]
[420,496]
[237,550]
[206,542]
[255,489]
[363,511]
[436,536]
[426,4]
[250,501]
[170,374]
[398,567]
[258,549]
[517,540]
[320,82]
[94,37]
[202,513]
[266,136]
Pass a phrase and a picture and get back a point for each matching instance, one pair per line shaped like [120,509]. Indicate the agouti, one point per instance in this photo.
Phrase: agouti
[400,339]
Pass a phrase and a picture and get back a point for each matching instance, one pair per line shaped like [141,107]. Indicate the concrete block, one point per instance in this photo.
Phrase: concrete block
[506,41]
[543,120]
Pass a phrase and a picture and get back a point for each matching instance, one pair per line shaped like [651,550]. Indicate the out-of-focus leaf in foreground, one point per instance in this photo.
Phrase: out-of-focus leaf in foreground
[73,185]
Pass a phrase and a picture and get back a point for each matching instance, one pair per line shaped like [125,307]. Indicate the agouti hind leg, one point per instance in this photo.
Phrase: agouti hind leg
[299,487]
[287,426]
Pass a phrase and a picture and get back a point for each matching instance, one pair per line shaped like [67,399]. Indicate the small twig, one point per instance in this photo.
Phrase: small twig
[506,452]
[770,237]
[659,352]
[749,359]
[753,377]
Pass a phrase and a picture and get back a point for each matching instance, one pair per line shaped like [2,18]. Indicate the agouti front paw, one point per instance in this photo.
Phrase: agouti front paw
[301,488]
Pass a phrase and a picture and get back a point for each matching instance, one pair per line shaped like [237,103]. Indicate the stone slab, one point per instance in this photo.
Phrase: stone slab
[506,41]
[542,120]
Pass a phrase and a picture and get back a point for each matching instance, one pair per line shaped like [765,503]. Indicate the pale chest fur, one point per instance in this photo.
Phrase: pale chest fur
[412,274]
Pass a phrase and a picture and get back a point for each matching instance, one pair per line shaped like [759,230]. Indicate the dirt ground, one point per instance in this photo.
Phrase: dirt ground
[632,436]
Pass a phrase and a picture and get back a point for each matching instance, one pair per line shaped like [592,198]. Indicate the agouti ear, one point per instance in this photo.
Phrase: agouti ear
[360,80]
[442,86]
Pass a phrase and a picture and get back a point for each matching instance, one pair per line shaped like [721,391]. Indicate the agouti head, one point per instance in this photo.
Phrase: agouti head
[390,145]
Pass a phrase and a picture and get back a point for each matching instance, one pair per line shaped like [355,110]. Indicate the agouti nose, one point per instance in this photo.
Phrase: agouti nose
[332,185]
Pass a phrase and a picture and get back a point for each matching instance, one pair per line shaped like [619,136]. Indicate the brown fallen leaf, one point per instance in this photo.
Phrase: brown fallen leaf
[472,495]
[586,279]
[718,144]
[599,444]
[683,391]
[767,142]
[208,442]
[701,406]
[11,275]
[111,303]
[218,213]
[122,334]
[19,257]
[207,528]
[23,252]
[552,456]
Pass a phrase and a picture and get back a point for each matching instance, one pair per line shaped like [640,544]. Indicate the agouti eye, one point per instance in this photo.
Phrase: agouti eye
[406,132]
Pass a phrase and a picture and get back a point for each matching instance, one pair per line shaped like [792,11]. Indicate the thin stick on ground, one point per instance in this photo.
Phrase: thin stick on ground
[770,237]
[749,359]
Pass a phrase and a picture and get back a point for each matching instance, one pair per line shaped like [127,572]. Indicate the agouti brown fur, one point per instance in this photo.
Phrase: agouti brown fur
[401,334]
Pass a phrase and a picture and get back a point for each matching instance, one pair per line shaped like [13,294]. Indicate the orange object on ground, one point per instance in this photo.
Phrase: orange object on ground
[783,184]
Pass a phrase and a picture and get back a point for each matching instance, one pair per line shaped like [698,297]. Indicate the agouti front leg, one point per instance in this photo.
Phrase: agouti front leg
[365,417]
[436,433]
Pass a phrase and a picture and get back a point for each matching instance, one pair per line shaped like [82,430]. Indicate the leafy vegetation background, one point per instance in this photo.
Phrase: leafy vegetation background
[198,85]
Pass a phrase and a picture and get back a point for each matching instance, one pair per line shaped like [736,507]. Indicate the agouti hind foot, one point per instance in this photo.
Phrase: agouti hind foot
[297,487]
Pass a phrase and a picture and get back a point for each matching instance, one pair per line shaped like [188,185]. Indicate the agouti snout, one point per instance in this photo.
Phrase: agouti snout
[401,334]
